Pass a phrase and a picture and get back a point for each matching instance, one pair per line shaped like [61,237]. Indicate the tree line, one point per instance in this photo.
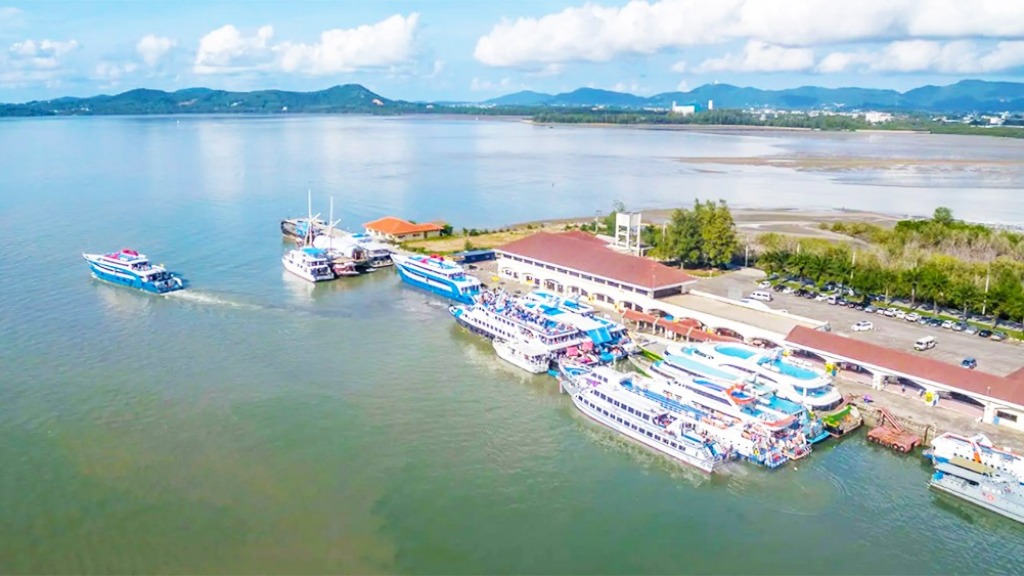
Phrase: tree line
[940,261]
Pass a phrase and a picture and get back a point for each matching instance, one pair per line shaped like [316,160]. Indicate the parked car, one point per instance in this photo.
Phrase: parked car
[863,326]
[787,290]
[821,297]
[970,329]
[969,362]
[841,302]
[912,317]
[810,294]
[870,309]
[959,327]
[948,324]
[764,284]
[779,287]
[925,343]
[984,333]
[890,312]
[999,336]
[936,322]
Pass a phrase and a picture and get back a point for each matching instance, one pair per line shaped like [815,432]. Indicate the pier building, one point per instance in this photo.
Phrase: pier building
[391,229]
[1001,397]
[645,292]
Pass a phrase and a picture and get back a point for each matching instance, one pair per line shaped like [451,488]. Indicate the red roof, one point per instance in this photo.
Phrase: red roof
[396,226]
[1017,375]
[909,364]
[640,317]
[592,256]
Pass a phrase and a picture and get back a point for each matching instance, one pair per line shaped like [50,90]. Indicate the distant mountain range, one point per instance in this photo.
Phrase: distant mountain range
[339,99]
[962,97]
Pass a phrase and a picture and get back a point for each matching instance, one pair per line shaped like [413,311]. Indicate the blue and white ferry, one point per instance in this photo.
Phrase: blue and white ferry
[439,276]
[129,268]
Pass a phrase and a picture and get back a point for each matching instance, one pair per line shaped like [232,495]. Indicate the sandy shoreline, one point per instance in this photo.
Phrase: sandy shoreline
[844,163]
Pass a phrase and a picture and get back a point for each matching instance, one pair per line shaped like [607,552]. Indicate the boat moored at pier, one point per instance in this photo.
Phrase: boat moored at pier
[308,263]
[523,354]
[640,419]
[439,276]
[129,268]
[981,485]
[979,449]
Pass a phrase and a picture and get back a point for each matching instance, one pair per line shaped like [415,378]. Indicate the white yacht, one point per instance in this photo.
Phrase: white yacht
[525,355]
[308,263]
[979,449]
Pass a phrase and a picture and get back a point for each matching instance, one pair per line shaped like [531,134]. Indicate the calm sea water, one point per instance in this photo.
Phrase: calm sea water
[259,424]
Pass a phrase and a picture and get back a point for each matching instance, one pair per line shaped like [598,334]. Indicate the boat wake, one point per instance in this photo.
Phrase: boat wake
[209,299]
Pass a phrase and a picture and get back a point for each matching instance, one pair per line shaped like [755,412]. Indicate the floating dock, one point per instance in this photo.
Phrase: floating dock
[892,435]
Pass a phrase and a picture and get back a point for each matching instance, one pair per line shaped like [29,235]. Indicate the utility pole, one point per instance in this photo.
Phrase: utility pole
[746,255]
[984,299]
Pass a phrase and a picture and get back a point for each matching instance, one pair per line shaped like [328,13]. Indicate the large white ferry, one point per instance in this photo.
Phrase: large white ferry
[747,440]
[504,316]
[640,419]
[979,449]
[308,263]
[439,276]
[129,268]
[788,379]
[749,403]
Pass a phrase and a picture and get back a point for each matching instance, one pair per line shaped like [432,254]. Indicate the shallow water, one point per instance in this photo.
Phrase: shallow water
[260,424]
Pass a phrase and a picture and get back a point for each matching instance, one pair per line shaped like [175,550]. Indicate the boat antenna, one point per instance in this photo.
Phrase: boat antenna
[330,220]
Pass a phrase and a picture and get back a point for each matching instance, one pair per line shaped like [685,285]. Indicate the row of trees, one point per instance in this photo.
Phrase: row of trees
[908,266]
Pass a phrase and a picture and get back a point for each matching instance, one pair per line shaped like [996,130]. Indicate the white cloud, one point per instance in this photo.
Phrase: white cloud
[598,33]
[478,85]
[680,67]
[10,15]
[225,50]
[152,48]
[956,57]
[386,43]
[683,86]
[760,57]
[35,61]
[113,72]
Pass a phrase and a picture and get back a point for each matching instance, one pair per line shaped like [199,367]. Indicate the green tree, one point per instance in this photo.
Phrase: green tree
[934,282]
[942,215]
[964,294]
[683,239]
[718,233]
[609,221]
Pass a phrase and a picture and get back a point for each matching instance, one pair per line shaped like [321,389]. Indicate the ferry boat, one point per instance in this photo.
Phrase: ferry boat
[308,263]
[439,276]
[981,485]
[300,229]
[979,449]
[501,315]
[363,247]
[129,268]
[768,450]
[525,355]
[788,379]
[640,419]
[749,403]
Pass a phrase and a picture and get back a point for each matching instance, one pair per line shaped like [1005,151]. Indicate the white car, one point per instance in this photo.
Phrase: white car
[913,317]
[764,284]
[821,297]
[863,326]
[900,314]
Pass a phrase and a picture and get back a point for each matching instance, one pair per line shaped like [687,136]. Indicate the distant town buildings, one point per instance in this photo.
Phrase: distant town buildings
[684,110]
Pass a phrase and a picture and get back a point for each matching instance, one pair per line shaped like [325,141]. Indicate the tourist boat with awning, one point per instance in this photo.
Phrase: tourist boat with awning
[129,268]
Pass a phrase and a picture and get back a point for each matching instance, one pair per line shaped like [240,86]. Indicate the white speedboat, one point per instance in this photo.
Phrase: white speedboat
[308,263]
[525,355]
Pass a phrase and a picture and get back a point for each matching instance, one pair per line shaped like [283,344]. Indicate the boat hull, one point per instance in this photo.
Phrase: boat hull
[130,280]
[438,287]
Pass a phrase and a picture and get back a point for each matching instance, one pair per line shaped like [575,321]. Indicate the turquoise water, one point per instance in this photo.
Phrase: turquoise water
[259,424]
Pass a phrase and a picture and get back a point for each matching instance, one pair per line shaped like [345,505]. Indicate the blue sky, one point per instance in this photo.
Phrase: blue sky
[474,50]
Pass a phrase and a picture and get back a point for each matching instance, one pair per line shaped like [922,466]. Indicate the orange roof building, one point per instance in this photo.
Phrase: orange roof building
[398,230]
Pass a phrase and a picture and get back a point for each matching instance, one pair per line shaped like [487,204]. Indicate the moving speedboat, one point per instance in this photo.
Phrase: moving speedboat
[129,268]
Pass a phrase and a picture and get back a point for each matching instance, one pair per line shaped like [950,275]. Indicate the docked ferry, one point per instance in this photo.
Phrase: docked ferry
[439,276]
[309,264]
[981,485]
[525,355]
[749,403]
[980,449]
[129,268]
[786,377]
[640,419]
[746,440]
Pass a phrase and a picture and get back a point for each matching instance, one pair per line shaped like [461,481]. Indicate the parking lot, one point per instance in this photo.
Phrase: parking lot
[993,357]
